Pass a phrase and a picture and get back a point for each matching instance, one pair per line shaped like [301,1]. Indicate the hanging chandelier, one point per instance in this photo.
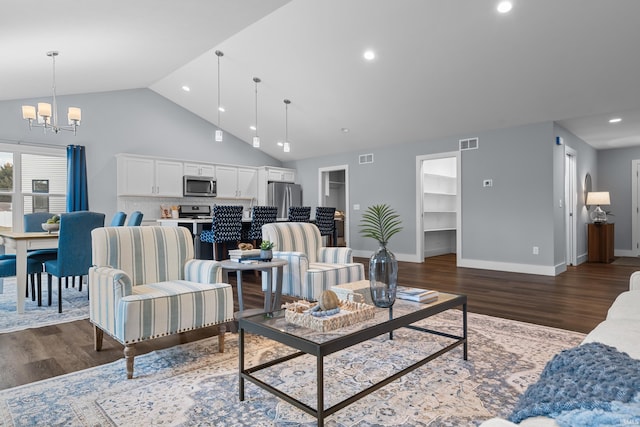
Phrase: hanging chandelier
[219,130]
[47,115]
[256,138]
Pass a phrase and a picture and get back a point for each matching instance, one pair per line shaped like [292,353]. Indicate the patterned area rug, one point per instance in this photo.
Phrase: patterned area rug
[193,384]
[75,306]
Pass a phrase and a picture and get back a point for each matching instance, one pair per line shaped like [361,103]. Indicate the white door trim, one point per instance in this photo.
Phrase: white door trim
[635,215]
[571,204]
[419,203]
[321,188]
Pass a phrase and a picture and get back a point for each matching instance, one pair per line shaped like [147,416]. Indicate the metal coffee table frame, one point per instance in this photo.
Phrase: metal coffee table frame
[264,325]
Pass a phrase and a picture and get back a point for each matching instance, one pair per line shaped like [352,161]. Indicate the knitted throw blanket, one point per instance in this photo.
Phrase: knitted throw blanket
[590,376]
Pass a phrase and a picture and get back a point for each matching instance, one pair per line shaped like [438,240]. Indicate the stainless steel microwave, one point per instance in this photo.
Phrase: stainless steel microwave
[199,186]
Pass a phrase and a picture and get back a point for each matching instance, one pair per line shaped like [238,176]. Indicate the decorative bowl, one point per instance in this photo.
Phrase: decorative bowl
[50,227]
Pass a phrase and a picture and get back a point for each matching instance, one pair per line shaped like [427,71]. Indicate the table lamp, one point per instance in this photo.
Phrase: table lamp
[598,198]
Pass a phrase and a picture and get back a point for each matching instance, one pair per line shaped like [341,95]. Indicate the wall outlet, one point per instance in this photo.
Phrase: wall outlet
[536,250]
[487,183]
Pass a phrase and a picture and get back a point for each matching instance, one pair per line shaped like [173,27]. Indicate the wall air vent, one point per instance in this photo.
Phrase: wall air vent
[468,144]
[363,159]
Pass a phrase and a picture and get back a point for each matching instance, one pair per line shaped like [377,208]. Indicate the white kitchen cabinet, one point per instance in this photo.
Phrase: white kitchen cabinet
[267,174]
[236,182]
[199,169]
[144,176]
[281,174]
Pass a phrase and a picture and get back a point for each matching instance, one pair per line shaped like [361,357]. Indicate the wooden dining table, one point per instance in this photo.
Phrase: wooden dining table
[22,242]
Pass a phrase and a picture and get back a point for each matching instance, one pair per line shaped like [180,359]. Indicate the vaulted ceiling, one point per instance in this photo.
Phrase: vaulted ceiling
[442,67]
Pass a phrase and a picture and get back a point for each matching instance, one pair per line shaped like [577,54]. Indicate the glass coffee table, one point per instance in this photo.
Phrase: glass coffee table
[403,314]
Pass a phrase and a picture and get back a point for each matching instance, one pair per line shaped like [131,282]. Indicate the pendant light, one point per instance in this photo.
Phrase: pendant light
[219,130]
[47,117]
[286,146]
[256,138]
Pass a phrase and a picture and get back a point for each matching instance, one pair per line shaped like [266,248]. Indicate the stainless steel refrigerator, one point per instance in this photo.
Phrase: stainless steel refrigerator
[282,195]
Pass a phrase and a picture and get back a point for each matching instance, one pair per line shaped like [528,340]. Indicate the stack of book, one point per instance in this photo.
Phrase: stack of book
[416,294]
[239,255]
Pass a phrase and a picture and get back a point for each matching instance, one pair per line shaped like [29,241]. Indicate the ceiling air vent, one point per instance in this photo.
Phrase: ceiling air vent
[363,159]
[468,144]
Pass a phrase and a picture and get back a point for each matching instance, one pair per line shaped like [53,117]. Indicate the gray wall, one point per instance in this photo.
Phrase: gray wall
[499,224]
[614,176]
[587,162]
[133,121]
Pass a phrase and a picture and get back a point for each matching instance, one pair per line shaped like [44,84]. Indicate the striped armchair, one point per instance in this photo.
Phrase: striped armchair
[312,268]
[145,283]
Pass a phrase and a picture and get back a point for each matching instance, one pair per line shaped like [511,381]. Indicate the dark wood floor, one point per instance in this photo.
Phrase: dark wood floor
[576,300]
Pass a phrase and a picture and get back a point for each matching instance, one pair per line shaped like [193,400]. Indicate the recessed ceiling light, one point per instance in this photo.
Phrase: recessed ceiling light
[221,108]
[344,130]
[186,88]
[615,120]
[504,6]
[280,143]
[252,127]
[369,55]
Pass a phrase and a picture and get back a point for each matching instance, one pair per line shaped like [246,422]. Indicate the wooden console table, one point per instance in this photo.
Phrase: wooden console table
[600,240]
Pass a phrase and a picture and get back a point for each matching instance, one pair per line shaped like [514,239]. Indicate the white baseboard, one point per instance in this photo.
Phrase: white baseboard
[543,270]
[624,252]
[399,257]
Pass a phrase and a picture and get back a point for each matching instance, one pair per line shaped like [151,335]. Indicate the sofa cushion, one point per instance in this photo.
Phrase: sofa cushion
[623,334]
[626,306]
[157,309]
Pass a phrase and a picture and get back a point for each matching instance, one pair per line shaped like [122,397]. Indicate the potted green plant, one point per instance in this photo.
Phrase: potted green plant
[266,249]
[381,222]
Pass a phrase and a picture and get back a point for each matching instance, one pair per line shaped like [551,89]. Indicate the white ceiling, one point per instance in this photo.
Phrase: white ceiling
[443,67]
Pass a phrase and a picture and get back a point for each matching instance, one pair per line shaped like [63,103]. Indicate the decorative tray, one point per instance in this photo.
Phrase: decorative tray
[349,314]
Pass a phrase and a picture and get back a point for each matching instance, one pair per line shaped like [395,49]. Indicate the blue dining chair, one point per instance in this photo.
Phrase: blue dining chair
[135,219]
[34,267]
[226,228]
[118,219]
[74,249]
[33,223]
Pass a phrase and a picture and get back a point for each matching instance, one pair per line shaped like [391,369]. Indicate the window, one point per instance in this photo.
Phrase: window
[6,189]
[42,177]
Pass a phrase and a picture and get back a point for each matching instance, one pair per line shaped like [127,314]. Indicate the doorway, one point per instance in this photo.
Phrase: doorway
[571,203]
[333,191]
[438,195]
[635,211]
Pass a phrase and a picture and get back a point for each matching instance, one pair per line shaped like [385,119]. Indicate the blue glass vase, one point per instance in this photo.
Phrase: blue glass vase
[383,277]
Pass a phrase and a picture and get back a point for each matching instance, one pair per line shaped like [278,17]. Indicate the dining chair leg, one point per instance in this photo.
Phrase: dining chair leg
[49,288]
[80,283]
[39,290]
[59,296]
[66,282]
[33,286]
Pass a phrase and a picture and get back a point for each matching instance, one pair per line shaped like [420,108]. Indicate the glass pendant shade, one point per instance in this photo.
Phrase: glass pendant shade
[256,138]
[286,146]
[218,136]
